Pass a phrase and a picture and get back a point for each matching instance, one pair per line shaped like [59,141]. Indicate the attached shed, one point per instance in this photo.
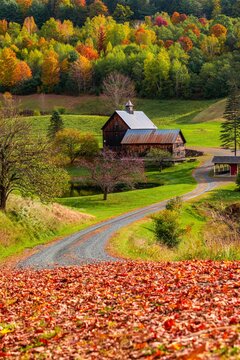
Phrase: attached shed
[226,165]
[141,141]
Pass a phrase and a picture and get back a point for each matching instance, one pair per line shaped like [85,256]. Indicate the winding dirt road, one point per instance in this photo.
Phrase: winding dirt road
[88,246]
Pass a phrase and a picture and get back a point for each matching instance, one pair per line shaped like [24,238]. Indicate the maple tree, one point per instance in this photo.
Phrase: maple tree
[186,43]
[50,69]
[3,27]
[30,25]
[87,51]
[122,310]
[193,28]
[218,30]
[160,21]
[81,73]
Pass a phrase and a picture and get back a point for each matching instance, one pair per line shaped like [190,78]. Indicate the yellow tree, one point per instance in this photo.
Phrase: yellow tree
[210,46]
[81,73]
[23,71]
[8,66]
[30,25]
[3,26]
[50,70]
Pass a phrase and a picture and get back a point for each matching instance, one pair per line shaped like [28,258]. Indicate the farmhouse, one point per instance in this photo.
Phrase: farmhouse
[226,165]
[132,132]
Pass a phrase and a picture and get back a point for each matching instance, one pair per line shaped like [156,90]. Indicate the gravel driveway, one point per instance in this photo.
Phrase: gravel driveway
[88,246]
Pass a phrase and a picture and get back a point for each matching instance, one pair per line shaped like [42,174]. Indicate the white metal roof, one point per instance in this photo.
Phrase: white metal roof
[137,120]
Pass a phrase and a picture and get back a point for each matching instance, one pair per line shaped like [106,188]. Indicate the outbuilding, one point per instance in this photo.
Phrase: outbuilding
[226,165]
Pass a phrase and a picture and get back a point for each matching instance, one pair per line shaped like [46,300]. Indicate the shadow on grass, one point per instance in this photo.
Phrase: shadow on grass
[225,195]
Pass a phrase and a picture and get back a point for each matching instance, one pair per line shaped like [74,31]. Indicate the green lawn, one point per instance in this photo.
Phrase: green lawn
[137,240]
[89,113]
[177,179]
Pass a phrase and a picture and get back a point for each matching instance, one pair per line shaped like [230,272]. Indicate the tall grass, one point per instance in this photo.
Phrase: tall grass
[29,223]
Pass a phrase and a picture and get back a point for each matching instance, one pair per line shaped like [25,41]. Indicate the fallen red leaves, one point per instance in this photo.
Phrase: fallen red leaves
[187,310]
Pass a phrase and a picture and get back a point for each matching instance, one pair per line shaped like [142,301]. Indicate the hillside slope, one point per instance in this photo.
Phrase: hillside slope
[29,223]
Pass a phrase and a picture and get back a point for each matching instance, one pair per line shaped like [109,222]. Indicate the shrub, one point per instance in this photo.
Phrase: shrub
[238,182]
[174,204]
[167,228]
[36,112]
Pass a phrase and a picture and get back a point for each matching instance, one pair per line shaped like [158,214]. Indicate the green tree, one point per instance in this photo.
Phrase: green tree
[230,129]
[159,157]
[56,124]
[122,13]
[156,70]
[25,162]
[89,147]
[67,143]
[167,229]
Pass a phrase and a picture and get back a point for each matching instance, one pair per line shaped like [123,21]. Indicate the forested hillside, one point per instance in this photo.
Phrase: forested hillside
[177,49]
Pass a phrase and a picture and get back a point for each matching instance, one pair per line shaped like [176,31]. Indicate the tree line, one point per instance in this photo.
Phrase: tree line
[176,55]
[78,10]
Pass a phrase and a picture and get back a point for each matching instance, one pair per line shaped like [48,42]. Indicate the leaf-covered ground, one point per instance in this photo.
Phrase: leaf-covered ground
[127,310]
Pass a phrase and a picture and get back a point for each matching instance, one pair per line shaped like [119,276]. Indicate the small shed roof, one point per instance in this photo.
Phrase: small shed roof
[137,120]
[226,160]
[156,136]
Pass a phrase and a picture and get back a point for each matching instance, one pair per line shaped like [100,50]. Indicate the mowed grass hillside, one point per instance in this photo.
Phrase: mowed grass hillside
[137,241]
[90,114]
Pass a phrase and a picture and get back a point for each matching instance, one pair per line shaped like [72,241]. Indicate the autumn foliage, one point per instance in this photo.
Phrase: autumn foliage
[87,51]
[126,310]
[218,30]
[186,43]
[160,21]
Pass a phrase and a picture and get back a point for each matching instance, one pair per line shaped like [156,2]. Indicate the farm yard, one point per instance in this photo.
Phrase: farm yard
[82,113]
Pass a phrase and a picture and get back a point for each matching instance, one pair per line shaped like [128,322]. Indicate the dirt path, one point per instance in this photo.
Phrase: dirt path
[88,246]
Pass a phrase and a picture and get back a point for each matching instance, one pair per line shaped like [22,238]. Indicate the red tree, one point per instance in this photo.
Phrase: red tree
[160,21]
[186,43]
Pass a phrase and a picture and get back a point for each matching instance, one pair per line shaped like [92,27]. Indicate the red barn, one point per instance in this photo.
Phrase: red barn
[132,132]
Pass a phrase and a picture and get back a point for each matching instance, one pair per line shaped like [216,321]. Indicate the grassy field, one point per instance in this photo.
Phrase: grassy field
[177,181]
[137,241]
[165,114]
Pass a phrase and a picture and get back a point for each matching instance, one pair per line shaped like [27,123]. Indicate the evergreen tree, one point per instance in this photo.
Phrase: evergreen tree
[230,129]
[56,124]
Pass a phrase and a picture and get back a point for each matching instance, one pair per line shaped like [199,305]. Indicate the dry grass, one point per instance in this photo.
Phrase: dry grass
[28,223]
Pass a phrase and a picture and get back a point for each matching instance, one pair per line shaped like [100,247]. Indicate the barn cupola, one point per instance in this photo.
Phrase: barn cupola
[129,107]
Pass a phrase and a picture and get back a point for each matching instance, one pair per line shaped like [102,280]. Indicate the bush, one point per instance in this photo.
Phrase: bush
[167,228]
[36,112]
[174,204]
[238,182]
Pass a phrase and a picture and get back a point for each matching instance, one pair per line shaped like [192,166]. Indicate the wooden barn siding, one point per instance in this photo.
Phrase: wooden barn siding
[142,149]
[114,132]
